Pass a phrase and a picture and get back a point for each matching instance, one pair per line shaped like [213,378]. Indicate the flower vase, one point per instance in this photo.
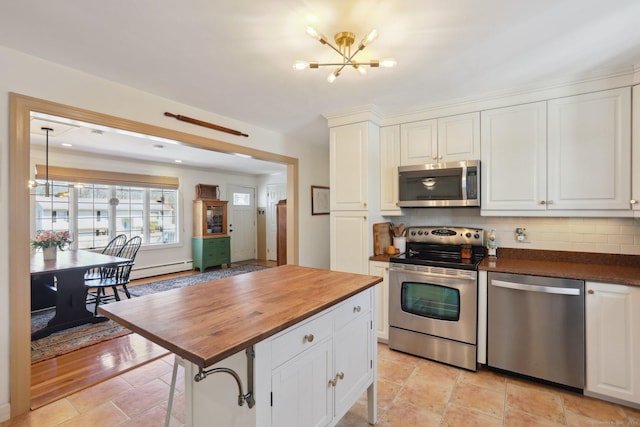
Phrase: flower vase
[49,253]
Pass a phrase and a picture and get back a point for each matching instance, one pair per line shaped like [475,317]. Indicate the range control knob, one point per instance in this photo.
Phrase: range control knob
[413,233]
[420,233]
[476,236]
[468,235]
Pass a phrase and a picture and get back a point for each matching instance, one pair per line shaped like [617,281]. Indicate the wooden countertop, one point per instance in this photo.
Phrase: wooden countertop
[607,268]
[208,322]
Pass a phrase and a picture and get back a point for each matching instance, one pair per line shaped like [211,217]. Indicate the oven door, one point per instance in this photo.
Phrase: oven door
[434,301]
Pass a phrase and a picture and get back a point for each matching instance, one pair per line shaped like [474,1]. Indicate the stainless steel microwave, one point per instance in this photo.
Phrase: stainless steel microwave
[439,184]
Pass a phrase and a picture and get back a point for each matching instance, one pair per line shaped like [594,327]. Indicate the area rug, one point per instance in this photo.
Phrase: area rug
[72,339]
[194,279]
[68,340]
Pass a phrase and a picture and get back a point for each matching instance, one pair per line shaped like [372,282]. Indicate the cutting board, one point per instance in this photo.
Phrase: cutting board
[381,237]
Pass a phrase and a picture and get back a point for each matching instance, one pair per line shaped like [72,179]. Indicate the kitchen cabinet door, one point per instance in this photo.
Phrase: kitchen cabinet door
[589,143]
[514,158]
[635,151]
[459,138]
[377,268]
[613,341]
[350,245]
[349,171]
[389,162]
[419,142]
[302,384]
[352,362]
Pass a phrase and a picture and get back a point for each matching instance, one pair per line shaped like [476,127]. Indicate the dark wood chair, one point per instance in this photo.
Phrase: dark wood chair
[113,247]
[113,277]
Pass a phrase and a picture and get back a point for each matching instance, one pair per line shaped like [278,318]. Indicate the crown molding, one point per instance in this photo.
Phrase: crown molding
[362,113]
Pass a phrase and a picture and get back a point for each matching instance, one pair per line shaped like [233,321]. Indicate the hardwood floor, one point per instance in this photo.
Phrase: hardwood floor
[64,375]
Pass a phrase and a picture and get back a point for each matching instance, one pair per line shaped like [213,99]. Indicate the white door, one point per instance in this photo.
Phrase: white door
[242,222]
[275,193]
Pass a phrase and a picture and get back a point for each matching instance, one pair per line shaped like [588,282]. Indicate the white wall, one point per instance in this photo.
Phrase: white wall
[42,79]
[602,235]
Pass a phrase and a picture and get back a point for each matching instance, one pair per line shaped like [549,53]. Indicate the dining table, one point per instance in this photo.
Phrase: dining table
[69,268]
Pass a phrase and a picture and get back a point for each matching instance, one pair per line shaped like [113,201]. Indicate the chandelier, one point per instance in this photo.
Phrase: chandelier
[344,40]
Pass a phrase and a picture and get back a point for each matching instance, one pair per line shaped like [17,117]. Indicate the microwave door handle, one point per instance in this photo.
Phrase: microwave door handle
[463,183]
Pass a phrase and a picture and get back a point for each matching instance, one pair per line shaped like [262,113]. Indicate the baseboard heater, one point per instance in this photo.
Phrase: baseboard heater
[157,270]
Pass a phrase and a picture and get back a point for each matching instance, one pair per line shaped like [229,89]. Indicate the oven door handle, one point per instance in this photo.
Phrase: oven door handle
[462,276]
[535,288]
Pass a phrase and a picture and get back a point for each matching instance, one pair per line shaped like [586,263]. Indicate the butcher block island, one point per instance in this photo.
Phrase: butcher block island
[284,346]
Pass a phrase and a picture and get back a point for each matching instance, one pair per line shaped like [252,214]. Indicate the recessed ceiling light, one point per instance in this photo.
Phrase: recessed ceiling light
[246,156]
[66,144]
[97,131]
[178,161]
[158,146]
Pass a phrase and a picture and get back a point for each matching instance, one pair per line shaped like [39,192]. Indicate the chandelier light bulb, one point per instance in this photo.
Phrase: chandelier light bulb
[300,65]
[388,62]
[332,77]
[362,70]
[371,37]
[314,33]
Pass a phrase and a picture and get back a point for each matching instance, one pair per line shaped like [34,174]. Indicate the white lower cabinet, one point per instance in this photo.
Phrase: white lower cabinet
[350,244]
[379,268]
[302,384]
[613,342]
[320,368]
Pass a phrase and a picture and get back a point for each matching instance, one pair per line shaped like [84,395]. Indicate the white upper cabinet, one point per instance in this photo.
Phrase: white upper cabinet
[448,139]
[419,142]
[589,146]
[459,138]
[349,145]
[635,150]
[514,157]
[566,155]
[389,162]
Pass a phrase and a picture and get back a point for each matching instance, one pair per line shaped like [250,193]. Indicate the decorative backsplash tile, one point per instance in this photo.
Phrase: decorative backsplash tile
[604,235]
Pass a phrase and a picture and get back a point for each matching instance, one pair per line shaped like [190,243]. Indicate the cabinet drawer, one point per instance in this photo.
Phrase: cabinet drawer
[352,308]
[300,339]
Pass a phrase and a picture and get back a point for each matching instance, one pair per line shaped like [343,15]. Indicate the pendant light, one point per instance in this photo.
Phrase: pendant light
[46,171]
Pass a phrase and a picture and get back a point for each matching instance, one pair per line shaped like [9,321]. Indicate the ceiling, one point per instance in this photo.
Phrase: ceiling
[234,58]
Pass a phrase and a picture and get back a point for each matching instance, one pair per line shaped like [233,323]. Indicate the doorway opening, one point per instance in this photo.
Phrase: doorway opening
[21,108]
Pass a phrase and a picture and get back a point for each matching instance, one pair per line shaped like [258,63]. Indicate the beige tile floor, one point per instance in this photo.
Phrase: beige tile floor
[411,392]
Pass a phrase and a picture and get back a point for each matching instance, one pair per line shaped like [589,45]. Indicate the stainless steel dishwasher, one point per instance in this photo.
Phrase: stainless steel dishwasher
[535,327]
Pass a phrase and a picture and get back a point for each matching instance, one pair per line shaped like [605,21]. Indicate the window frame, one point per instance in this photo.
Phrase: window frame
[150,185]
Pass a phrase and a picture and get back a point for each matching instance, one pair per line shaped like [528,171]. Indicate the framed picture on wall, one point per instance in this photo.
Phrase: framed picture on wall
[319,200]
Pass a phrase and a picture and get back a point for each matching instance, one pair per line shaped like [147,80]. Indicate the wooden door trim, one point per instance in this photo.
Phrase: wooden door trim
[21,107]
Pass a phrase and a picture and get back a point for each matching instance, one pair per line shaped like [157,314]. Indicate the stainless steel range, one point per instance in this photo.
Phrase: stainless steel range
[433,294]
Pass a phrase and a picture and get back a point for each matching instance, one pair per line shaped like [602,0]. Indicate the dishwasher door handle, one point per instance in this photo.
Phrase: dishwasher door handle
[535,288]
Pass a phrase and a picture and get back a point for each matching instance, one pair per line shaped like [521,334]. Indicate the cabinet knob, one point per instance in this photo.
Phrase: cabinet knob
[308,338]
[590,292]
[543,202]
[439,157]
[357,309]
[633,202]
[364,204]
[549,202]
[339,376]
[434,157]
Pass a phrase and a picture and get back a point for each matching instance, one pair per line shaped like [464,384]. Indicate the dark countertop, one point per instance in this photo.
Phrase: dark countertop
[607,268]
[596,267]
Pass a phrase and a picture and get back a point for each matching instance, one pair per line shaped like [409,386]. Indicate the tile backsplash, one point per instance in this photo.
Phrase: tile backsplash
[605,235]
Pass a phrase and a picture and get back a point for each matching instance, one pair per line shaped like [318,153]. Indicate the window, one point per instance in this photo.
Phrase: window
[97,212]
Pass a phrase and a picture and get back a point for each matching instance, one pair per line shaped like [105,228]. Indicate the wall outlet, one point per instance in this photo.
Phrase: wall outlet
[521,235]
